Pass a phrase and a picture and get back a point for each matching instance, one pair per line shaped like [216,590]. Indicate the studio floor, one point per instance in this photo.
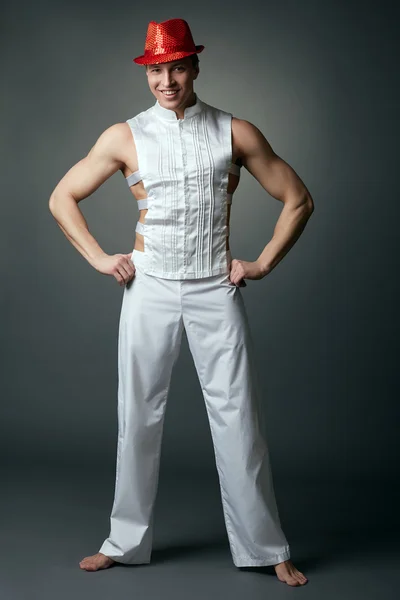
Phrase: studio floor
[341,536]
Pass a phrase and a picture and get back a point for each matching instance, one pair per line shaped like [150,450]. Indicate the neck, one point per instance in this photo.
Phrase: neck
[191,107]
[180,111]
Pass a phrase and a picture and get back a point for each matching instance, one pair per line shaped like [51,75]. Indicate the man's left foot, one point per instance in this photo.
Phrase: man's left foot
[288,573]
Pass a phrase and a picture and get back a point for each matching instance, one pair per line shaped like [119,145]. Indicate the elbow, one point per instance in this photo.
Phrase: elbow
[309,205]
[302,203]
[57,200]
[53,204]
[56,203]
[303,206]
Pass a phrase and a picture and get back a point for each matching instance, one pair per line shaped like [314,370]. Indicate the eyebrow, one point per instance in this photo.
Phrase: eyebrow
[159,64]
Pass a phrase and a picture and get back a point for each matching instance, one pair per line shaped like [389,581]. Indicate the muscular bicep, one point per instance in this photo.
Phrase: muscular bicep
[90,172]
[274,174]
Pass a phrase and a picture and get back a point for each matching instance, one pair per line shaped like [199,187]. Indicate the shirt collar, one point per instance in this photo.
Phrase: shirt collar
[170,115]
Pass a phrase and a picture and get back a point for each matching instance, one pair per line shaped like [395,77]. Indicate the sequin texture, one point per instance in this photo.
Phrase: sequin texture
[167,41]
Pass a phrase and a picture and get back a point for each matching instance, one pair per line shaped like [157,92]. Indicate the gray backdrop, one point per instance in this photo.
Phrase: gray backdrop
[320,81]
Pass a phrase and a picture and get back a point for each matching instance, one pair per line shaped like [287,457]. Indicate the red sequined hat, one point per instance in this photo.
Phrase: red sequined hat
[166,41]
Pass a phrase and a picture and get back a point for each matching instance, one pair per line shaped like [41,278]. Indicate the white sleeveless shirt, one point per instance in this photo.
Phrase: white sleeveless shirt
[184,165]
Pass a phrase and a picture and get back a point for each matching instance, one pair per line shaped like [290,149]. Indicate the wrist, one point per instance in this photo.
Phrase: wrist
[264,267]
[93,259]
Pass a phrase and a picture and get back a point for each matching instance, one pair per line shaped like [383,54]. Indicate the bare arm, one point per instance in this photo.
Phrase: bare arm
[280,181]
[86,176]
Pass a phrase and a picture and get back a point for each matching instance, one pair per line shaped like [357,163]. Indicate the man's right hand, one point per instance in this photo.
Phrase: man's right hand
[118,265]
[107,156]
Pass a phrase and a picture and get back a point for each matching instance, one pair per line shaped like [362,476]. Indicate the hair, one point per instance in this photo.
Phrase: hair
[194,58]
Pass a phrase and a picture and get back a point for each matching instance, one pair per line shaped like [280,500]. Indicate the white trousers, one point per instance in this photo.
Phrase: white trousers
[153,314]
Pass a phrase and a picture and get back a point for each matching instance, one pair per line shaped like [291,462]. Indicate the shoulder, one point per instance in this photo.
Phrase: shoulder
[113,136]
[113,144]
[247,135]
[244,128]
[117,134]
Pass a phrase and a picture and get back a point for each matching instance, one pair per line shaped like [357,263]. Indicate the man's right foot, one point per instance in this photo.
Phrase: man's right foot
[96,562]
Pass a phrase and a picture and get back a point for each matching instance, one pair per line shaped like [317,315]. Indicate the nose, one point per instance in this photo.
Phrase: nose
[167,80]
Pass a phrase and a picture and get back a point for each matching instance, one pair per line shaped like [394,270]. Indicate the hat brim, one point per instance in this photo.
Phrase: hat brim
[156,59]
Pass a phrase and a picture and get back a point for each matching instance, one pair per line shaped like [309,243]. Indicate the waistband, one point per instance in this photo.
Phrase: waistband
[140,259]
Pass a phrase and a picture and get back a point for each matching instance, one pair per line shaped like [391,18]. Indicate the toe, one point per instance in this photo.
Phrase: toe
[289,580]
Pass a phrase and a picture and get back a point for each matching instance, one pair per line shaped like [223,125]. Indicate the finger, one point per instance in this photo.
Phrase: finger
[119,277]
[128,263]
[133,266]
[239,281]
[234,275]
[125,276]
[121,274]
[126,270]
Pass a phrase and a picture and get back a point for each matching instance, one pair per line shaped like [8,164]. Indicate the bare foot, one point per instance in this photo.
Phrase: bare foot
[288,573]
[96,562]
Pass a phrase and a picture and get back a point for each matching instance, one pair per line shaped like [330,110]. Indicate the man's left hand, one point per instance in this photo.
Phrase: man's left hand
[243,269]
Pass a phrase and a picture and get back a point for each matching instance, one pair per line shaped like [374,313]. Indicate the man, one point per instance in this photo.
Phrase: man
[182,159]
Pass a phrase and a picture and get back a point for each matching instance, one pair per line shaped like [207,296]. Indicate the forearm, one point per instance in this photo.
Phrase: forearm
[288,229]
[73,224]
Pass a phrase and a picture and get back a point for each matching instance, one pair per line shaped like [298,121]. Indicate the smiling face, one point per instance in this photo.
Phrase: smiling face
[176,76]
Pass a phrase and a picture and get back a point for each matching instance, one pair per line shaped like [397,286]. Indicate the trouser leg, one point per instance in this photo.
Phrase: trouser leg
[150,334]
[220,341]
